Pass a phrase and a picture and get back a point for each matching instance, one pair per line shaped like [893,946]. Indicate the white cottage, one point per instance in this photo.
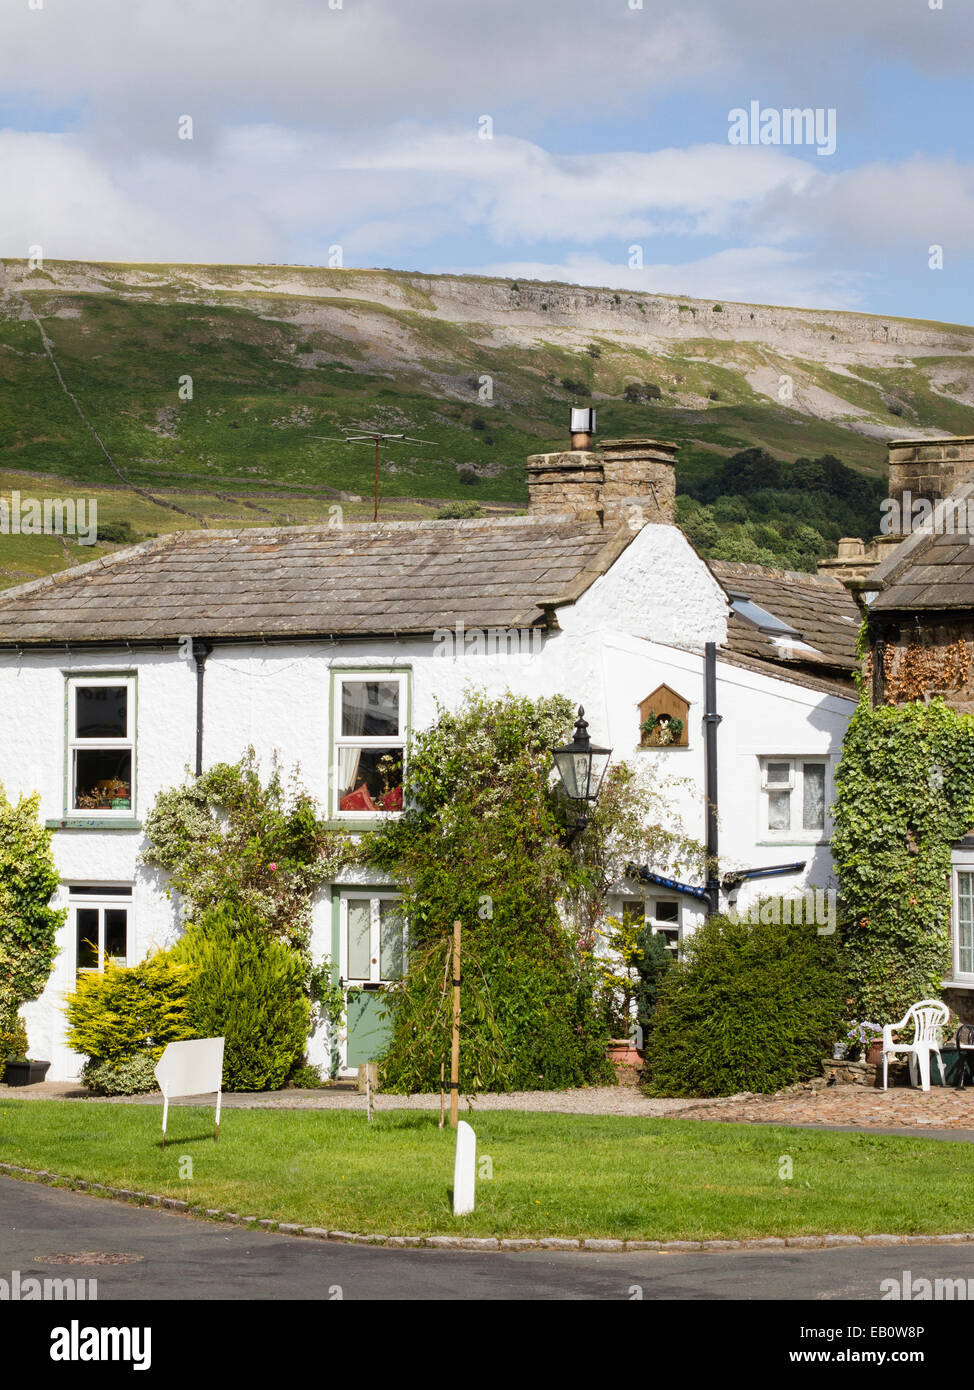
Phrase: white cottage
[327,644]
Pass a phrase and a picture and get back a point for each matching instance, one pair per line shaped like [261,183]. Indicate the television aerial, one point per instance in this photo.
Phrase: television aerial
[377,438]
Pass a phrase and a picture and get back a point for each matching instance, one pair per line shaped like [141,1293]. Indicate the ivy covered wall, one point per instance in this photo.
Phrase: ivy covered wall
[905,794]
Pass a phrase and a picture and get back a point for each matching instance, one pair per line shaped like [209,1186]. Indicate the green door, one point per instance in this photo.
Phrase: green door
[372,956]
[368,1027]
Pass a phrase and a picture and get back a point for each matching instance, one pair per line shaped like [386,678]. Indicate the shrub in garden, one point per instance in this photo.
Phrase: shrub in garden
[249,989]
[132,1076]
[752,1006]
[13,1039]
[122,1020]
[28,924]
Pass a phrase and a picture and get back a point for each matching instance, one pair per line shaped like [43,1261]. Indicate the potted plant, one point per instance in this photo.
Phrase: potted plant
[660,730]
[24,1071]
[866,1038]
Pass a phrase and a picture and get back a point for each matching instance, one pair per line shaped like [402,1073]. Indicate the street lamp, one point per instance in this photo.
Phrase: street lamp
[581,767]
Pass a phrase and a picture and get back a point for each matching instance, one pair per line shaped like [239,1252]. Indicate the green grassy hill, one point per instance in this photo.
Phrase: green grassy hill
[483,370]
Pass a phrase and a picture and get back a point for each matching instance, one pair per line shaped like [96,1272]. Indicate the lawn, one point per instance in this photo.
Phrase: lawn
[572,1175]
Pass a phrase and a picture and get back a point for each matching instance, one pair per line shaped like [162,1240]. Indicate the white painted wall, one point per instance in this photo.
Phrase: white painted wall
[642,624]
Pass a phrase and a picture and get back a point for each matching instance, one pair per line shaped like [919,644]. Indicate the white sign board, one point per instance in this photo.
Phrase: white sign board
[192,1068]
[464,1170]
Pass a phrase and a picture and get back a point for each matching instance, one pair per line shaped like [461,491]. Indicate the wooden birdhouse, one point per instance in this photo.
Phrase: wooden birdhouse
[664,718]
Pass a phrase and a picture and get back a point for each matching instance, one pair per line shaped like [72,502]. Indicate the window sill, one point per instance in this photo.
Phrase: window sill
[76,823]
[958,984]
[357,826]
[792,844]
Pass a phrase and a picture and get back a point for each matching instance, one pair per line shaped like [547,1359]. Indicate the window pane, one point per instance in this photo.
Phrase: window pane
[633,913]
[391,941]
[359,938]
[102,779]
[965,923]
[86,920]
[779,810]
[116,934]
[370,708]
[779,774]
[672,939]
[667,912]
[101,711]
[813,796]
[369,779]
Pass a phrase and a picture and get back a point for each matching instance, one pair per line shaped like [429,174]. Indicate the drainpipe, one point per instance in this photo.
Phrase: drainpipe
[710,720]
[201,651]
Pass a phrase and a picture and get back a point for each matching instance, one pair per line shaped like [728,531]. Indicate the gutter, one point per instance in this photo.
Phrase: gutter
[738,876]
[201,651]
[710,720]
[674,885]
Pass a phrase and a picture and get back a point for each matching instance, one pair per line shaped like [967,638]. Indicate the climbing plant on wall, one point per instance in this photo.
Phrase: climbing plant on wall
[905,793]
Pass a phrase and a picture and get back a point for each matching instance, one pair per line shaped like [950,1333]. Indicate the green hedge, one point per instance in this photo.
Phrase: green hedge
[130,1010]
[750,1007]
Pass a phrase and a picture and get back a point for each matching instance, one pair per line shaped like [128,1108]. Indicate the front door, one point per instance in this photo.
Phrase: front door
[372,956]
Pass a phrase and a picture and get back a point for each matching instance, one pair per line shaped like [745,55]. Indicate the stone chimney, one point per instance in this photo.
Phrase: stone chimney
[922,468]
[929,468]
[624,482]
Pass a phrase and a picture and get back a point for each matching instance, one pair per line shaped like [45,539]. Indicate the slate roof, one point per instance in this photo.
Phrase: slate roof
[816,606]
[933,568]
[384,578]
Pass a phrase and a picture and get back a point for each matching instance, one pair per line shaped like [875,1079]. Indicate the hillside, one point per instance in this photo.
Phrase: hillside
[279,355]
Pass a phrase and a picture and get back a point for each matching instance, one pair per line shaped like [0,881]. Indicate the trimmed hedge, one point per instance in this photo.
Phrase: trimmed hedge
[751,1007]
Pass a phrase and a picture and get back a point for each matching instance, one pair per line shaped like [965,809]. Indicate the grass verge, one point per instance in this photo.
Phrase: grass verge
[571,1175]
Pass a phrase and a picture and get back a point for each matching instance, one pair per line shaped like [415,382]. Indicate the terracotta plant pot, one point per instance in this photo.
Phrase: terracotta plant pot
[874,1054]
[621,1053]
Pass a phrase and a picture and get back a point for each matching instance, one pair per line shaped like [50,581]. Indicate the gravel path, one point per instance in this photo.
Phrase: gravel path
[841,1106]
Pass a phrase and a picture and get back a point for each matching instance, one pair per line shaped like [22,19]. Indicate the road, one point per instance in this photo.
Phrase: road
[181,1258]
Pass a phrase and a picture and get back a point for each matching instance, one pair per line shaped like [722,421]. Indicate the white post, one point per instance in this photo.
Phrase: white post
[464,1170]
[165,1116]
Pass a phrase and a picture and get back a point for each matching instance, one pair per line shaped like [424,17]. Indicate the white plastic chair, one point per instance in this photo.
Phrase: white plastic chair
[928,1018]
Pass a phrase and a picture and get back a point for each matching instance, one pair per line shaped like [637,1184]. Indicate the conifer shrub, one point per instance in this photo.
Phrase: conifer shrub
[752,1006]
[249,989]
[123,1019]
[13,1038]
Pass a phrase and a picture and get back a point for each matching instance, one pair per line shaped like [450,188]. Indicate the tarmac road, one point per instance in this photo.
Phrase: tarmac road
[182,1258]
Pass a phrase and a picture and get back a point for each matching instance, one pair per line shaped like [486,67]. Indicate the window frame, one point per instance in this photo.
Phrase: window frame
[796,789]
[74,682]
[337,740]
[652,919]
[374,896]
[101,898]
[960,864]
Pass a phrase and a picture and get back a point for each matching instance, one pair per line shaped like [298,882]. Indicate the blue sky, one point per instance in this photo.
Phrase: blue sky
[355,124]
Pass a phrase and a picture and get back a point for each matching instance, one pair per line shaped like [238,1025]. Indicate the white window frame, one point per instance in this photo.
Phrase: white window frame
[651,917]
[374,897]
[99,901]
[74,744]
[961,863]
[340,740]
[796,786]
